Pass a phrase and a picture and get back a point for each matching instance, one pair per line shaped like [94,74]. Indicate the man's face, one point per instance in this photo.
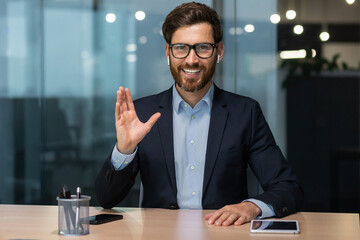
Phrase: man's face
[193,73]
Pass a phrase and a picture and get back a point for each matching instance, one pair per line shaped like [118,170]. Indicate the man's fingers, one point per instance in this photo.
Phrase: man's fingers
[117,111]
[223,217]
[118,105]
[236,214]
[129,100]
[124,98]
[214,216]
[152,120]
[231,219]
[122,101]
[240,221]
[118,95]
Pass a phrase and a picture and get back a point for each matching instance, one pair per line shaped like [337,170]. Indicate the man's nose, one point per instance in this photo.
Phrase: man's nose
[192,57]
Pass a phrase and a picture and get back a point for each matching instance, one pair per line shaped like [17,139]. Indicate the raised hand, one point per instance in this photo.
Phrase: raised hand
[129,129]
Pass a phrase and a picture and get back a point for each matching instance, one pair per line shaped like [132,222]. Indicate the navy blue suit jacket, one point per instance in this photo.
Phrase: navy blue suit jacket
[238,137]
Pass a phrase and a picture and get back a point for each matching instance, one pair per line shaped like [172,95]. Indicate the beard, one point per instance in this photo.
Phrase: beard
[192,84]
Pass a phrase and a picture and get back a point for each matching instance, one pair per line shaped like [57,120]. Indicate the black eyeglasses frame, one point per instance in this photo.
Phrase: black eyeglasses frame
[214,45]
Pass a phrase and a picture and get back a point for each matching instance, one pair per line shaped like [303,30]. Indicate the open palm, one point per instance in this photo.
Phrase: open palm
[129,129]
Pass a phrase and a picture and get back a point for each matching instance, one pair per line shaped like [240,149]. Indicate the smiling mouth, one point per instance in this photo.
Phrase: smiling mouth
[191,71]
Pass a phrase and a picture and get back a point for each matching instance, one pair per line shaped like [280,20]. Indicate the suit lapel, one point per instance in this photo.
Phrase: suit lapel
[218,119]
[165,127]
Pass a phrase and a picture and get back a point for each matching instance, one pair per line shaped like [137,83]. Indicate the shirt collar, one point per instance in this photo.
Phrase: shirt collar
[208,98]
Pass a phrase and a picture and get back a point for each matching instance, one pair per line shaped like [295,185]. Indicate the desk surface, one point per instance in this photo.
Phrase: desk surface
[41,222]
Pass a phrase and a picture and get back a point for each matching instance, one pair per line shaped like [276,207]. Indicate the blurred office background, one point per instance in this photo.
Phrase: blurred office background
[61,62]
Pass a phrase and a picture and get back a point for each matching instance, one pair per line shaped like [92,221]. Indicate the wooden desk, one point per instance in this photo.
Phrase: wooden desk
[41,222]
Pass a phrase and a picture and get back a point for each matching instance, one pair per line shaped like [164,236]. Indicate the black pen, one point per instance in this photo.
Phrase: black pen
[65,193]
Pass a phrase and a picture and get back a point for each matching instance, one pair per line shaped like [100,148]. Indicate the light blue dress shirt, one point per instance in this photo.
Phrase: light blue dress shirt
[190,128]
[190,131]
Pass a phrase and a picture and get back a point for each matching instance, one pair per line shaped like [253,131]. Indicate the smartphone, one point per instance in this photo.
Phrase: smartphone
[104,218]
[274,226]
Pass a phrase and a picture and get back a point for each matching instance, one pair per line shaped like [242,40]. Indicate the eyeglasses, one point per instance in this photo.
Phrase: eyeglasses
[202,50]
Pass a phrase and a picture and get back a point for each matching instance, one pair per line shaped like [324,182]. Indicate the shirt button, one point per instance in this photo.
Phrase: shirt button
[192,117]
[193,193]
[186,105]
[192,167]
[126,162]
[118,160]
[192,141]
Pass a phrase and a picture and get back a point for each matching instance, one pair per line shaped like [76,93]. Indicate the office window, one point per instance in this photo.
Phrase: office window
[62,61]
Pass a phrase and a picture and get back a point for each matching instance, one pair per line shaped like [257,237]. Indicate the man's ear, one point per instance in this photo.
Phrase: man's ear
[167,53]
[220,50]
[167,50]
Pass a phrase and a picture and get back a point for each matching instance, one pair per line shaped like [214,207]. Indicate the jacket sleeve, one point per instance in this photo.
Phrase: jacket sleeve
[112,186]
[273,171]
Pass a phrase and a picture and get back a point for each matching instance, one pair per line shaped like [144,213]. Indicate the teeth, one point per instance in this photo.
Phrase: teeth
[190,71]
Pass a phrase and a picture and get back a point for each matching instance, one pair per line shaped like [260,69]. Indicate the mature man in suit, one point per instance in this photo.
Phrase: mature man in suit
[192,143]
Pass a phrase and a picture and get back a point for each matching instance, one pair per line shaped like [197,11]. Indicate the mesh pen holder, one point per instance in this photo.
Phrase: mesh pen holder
[73,215]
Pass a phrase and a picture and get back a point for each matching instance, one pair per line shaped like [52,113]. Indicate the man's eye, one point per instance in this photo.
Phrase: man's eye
[180,47]
[203,47]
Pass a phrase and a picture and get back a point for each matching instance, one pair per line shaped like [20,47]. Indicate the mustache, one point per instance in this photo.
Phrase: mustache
[187,65]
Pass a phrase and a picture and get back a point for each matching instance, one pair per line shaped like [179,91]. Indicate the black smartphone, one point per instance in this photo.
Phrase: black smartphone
[104,218]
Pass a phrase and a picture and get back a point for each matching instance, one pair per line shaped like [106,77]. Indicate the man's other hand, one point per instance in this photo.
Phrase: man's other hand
[236,214]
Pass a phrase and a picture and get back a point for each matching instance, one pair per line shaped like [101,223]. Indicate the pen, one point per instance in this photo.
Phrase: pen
[65,193]
[77,217]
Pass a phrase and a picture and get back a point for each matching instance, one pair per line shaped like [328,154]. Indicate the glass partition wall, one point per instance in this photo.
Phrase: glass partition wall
[21,102]
[61,63]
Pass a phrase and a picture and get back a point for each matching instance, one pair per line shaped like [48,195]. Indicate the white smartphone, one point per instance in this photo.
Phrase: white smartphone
[274,226]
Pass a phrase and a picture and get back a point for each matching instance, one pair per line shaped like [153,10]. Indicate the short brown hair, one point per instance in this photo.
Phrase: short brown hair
[188,14]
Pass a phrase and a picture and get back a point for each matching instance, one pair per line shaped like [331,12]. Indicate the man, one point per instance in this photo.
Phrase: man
[193,143]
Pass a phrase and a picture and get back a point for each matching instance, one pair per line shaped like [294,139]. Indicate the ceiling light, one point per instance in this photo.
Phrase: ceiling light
[249,28]
[131,47]
[235,31]
[275,18]
[293,54]
[291,14]
[140,15]
[298,29]
[131,58]
[143,39]
[110,17]
[350,1]
[313,53]
[324,36]
[296,54]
